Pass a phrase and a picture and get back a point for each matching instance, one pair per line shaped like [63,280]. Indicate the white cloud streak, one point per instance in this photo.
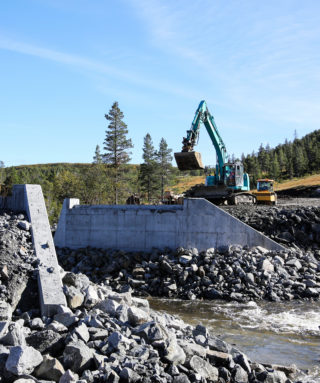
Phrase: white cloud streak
[262,58]
[93,67]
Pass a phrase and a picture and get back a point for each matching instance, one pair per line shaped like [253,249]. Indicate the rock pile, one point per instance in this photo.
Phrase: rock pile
[288,225]
[230,273]
[108,336]
[17,260]
[105,336]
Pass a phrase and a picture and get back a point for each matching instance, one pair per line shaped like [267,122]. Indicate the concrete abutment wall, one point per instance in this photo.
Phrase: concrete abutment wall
[29,199]
[197,223]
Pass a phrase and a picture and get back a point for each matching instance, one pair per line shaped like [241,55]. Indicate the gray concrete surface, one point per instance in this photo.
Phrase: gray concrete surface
[197,223]
[68,204]
[29,199]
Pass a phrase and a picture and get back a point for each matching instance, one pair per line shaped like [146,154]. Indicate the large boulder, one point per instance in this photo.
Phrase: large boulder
[204,369]
[46,341]
[77,356]
[22,360]
[174,353]
[74,296]
[15,335]
[50,369]
[137,316]
[5,316]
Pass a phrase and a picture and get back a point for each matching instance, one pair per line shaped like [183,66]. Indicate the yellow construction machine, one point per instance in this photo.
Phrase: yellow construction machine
[265,193]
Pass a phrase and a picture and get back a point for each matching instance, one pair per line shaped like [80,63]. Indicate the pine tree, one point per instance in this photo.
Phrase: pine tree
[282,161]
[148,169]
[117,146]
[12,177]
[97,158]
[164,159]
[262,157]
[275,167]
[299,161]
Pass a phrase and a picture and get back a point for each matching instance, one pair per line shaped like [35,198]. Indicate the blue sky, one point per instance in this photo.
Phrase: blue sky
[64,62]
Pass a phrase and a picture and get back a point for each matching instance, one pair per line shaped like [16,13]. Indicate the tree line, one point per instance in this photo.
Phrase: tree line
[285,161]
[109,179]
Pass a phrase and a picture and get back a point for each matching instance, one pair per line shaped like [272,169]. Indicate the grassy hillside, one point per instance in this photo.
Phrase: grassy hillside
[313,180]
[184,183]
[92,184]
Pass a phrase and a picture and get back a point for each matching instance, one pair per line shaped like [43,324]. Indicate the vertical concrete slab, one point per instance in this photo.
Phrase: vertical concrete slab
[49,280]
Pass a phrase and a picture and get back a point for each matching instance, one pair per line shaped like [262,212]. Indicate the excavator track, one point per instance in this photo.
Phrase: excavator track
[242,199]
[221,195]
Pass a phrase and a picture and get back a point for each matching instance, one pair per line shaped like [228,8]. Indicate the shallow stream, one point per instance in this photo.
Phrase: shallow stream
[269,332]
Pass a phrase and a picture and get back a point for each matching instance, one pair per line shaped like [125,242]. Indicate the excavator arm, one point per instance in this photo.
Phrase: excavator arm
[188,159]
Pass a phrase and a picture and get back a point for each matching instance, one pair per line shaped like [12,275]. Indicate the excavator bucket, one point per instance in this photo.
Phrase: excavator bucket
[188,160]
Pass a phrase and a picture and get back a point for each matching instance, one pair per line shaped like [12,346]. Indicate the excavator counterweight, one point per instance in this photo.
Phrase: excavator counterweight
[188,160]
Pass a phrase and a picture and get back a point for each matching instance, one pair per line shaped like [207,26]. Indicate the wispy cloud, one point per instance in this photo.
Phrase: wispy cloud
[94,67]
[168,26]
[261,58]
[60,57]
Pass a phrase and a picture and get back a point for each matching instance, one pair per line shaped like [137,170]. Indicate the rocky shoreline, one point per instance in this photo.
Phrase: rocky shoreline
[110,336]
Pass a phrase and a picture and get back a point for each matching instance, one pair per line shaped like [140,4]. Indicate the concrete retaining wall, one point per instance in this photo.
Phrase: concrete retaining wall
[17,201]
[29,199]
[197,223]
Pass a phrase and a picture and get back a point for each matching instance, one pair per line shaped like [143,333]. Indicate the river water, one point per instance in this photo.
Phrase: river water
[268,332]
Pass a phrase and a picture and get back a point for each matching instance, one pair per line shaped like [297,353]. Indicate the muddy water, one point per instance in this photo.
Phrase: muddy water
[281,333]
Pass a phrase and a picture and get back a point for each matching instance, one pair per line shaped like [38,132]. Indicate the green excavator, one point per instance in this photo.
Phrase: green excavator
[230,184]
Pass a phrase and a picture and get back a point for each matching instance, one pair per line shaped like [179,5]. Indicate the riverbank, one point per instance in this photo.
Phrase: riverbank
[281,332]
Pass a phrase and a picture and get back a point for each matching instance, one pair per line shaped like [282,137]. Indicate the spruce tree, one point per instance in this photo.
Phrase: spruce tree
[97,158]
[148,174]
[282,161]
[275,167]
[299,161]
[116,146]
[164,159]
